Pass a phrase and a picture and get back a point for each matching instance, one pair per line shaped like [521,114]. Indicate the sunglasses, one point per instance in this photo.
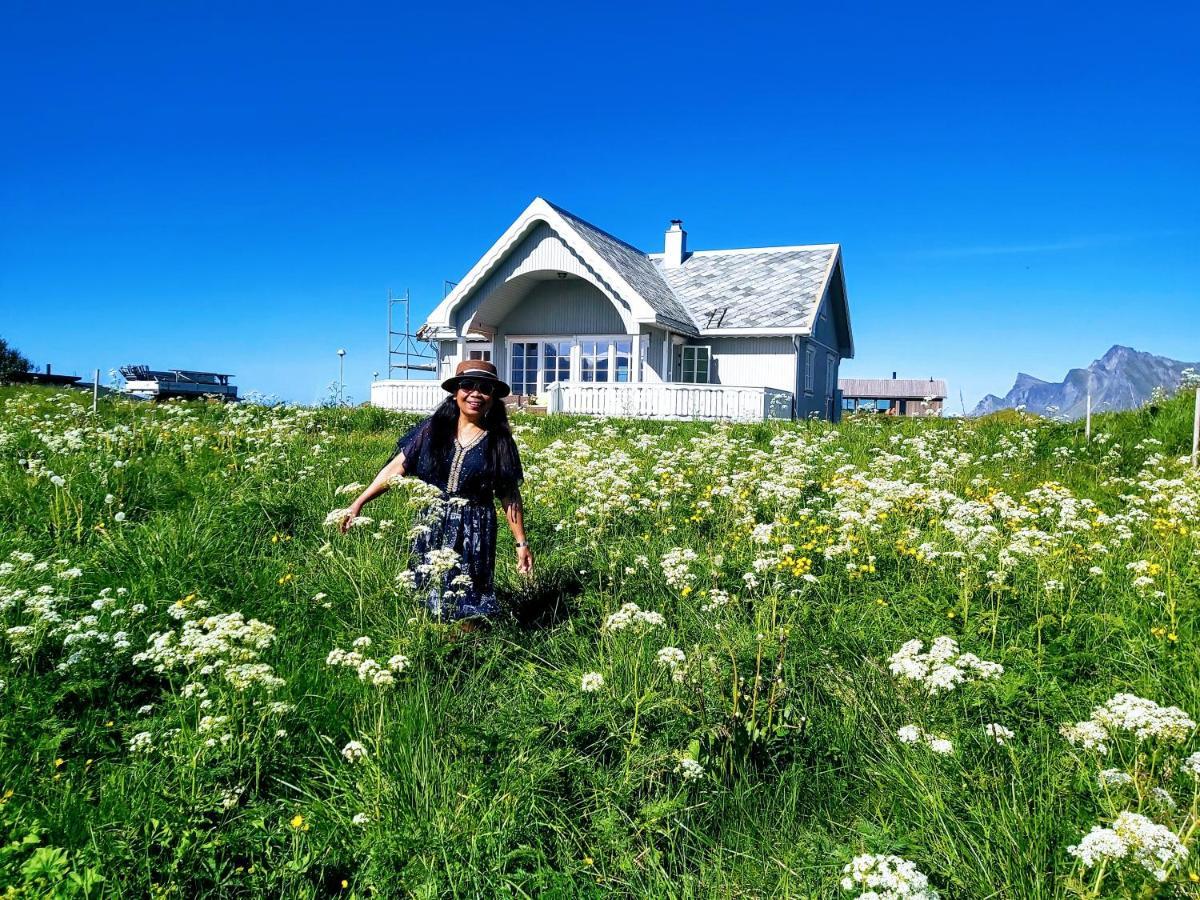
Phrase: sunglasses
[486,388]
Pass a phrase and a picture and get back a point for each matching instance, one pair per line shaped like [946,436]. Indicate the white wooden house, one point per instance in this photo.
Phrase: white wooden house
[587,323]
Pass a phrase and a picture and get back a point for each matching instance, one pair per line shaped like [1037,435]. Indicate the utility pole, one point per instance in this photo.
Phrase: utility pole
[341,377]
[1087,428]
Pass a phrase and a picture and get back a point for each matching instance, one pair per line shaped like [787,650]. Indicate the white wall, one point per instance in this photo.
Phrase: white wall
[752,361]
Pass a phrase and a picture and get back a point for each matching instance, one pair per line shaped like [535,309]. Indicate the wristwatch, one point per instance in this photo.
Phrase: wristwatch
[521,544]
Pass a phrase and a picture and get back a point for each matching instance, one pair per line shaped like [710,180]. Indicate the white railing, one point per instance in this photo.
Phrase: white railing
[407,396]
[641,400]
[649,400]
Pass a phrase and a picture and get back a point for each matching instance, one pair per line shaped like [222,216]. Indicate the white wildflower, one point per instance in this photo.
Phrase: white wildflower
[591,682]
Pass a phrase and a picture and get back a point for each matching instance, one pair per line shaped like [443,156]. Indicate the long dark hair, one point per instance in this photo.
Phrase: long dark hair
[503,459]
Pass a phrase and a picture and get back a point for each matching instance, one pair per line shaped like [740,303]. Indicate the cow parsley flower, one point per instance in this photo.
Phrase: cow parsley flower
[591,682]
[1097,845]
[354,751]
[998,733]
[690,769]
[942,668]
[886,877]
[1191,765]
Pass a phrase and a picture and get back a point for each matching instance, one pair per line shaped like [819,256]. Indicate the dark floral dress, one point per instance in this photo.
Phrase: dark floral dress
[454,546]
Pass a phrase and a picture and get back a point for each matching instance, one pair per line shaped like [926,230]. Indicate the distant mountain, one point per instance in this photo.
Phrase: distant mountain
[1121,379]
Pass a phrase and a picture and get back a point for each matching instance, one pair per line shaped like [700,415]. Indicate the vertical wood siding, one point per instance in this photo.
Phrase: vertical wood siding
[563,307]
[754,361]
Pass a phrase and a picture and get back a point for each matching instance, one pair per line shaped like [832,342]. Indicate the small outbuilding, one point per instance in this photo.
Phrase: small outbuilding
[893,396]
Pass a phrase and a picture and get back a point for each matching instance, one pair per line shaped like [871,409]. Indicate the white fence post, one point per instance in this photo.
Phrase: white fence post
[1196,432]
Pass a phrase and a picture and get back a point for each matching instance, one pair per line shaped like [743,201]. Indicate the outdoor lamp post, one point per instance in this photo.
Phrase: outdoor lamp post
[341,377]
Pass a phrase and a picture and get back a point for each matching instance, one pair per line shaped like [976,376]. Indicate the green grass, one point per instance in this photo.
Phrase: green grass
[488,771]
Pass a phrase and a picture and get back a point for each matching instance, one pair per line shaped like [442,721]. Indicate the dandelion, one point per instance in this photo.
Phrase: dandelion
[591,682]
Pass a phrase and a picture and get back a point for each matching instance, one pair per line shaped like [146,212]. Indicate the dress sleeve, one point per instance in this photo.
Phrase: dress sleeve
[412,444]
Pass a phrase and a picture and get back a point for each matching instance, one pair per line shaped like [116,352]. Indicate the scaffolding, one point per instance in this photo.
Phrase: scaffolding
[406,352]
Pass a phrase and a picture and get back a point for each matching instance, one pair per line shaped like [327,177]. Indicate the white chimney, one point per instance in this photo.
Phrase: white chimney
[675,246]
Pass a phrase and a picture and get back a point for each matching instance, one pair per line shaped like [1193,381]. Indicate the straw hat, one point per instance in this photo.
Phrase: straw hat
[479,370]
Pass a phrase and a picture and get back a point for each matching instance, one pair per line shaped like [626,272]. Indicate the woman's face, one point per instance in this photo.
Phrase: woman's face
[474,398]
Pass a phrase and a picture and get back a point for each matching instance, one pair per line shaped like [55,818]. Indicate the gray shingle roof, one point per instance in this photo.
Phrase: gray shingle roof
[773,287]
[636,268]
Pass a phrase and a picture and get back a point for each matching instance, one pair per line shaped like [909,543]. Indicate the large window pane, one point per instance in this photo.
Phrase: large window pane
[593,360]
[556,361]
[623,360]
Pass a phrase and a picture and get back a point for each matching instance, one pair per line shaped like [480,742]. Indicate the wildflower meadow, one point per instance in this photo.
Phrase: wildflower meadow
[883,659]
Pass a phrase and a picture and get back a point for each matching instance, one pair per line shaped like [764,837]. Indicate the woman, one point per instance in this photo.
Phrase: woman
[466,450]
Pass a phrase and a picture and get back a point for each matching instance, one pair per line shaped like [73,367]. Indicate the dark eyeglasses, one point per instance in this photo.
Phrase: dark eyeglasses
[487,388]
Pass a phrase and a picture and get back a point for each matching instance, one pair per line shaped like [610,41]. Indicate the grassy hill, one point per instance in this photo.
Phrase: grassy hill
[206,691]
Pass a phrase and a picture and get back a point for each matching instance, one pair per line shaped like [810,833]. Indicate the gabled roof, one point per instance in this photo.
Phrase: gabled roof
[892,388]
[636,268]
[771,287]
[765,290]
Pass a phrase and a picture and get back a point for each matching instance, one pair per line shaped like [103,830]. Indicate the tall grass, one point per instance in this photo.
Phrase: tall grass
[488,772]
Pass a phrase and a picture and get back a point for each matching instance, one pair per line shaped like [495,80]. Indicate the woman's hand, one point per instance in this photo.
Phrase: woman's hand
[524,560]
[351,514]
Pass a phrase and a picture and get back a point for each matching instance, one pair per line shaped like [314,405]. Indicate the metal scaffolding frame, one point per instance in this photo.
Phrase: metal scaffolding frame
[407,352]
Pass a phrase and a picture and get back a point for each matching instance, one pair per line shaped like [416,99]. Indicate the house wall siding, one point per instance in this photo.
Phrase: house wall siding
[542,250]
[752,361]
[653,370]
[563,307]
[824,342]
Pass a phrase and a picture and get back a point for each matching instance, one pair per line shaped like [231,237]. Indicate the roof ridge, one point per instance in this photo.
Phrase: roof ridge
[583,221]
[731,250]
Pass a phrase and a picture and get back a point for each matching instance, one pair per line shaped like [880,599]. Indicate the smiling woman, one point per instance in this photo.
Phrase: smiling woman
[466,451]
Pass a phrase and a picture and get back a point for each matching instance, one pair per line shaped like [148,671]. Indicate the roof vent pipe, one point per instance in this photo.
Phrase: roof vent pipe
[675,244]
[893,376]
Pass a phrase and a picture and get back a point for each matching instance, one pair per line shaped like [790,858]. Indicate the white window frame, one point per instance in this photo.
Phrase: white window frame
[480,347]
[635,341]
[510,344]
[683,365]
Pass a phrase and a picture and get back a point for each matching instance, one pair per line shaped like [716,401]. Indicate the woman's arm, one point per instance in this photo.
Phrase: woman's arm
[514,514]
[393,469]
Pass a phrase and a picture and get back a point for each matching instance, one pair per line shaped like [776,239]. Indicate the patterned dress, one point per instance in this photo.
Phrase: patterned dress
[457,584]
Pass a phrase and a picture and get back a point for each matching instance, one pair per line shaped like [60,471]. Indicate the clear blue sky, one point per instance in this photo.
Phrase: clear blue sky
[236,186]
